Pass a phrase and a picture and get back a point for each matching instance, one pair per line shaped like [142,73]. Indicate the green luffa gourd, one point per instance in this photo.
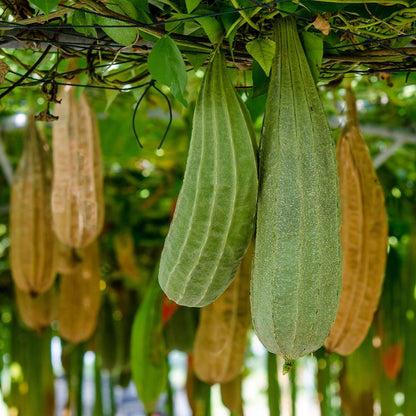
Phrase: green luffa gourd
[214,216]
[296,281]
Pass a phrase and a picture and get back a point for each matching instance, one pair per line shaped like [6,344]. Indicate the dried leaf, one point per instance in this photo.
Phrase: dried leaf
[4,69]
[320,23]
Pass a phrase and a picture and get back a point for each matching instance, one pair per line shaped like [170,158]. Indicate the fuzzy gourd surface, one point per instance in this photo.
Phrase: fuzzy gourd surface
[296,279]
[214,216]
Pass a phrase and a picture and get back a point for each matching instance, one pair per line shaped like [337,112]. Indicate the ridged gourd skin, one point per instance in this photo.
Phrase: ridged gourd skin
[79,297]
[296,279]
[364,234]
[37,312]
[32,248]
[220,341]
[214,216]
[148,350]
[77,189]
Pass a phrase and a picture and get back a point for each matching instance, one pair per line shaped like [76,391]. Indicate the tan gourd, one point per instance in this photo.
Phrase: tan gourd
[220,341]
[79,297]
[36,312]
[32,240]
[363,237]
[77,192]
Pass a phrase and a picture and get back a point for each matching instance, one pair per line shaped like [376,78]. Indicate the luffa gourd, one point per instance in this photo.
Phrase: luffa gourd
[213,219]
[296,280]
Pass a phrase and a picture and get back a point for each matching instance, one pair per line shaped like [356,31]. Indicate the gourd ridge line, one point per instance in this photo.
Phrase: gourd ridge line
[197,191]
[216,209]
[235,187]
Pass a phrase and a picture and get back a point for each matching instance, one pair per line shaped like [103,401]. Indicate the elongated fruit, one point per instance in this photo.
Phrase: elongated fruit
[220,341]
[32,248]
[213,220]
[77,192]
[79,297]
[363,236]
[296,279]
[36,312]
[148,351]
[231,396]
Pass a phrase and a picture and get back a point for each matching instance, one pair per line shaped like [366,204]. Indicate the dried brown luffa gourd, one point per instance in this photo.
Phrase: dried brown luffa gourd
[77,191]
[36,312]
[363,237]
[32,239]
[221,335]
[79,297]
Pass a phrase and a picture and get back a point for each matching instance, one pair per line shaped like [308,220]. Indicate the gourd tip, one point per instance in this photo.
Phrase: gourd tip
[287,366]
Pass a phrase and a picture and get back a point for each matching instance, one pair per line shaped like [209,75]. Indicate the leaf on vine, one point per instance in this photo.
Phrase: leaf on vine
[122,35]
[262,50]
[287,6]
[166,65]
[81,18]
[260,80]
[141,5]
[191,5]
[314,50]
[110,95]
[196,59]
[46,5]
[212,27]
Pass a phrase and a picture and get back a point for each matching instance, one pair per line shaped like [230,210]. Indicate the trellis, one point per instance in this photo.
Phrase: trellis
[368,45]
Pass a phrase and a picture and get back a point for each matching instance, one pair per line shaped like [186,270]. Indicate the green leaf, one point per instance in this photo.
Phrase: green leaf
[122,35]
[256,106]
[212,27]
[46,5]
[260,80]
[196,59]
[166,65]
[314,50]
[142,5]
[110,95]
[262,50]
[80,18]
[191,5]
[287,6]
[322,8]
